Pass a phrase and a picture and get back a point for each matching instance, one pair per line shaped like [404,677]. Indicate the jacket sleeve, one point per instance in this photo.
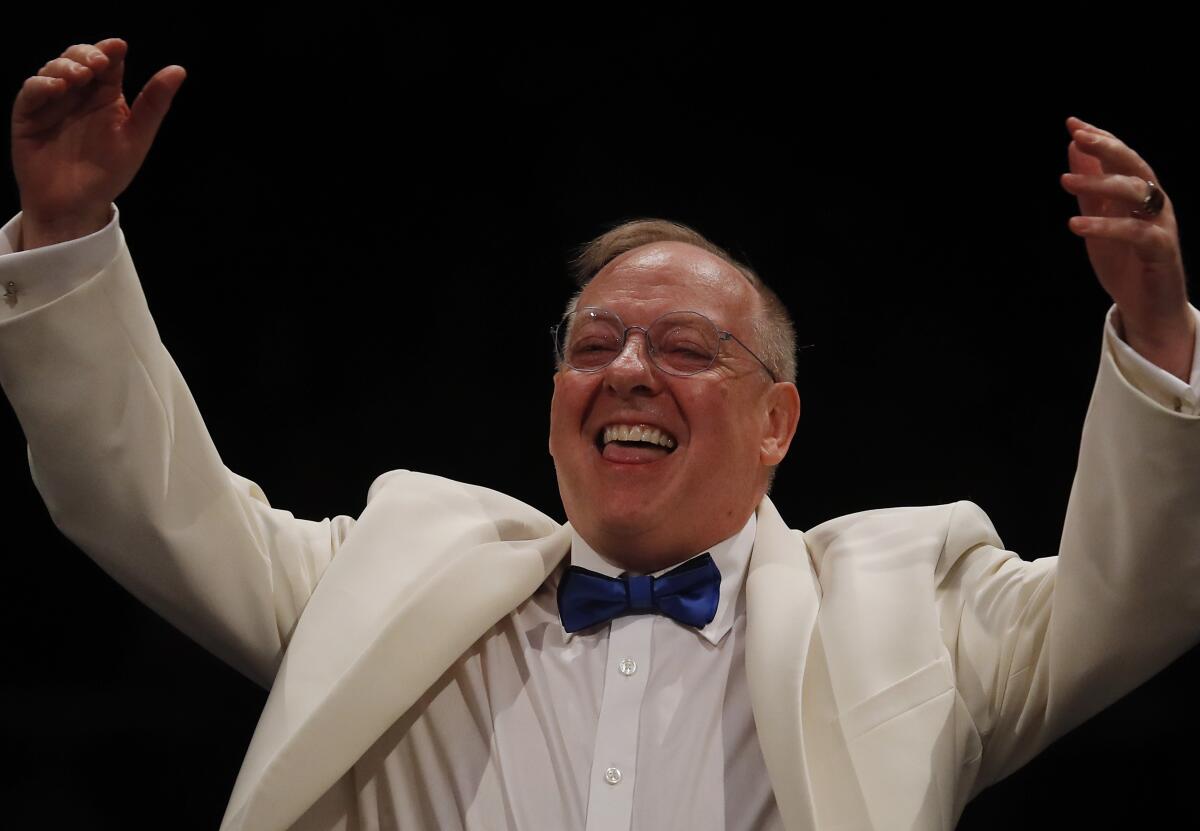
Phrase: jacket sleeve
[121,457]
[1041,646]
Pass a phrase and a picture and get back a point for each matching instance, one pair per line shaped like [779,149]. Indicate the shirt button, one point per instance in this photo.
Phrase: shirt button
[612,776]
[628,666]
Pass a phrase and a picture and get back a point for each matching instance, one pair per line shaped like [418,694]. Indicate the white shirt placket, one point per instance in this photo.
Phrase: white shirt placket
[614,760]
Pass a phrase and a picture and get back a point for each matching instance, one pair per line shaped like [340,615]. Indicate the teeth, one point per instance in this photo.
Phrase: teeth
[639,432]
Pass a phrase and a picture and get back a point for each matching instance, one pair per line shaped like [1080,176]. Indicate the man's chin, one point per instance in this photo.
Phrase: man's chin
[628,524]
[616,520]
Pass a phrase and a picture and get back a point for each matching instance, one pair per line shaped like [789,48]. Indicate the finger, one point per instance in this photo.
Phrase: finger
[1152,242]
[64,79]
[73,72]
[114,50]
[87,55]
[30,120]
[1074,124]
[35,93]
[1082,164]
[1126,189]
[152,103]
[1115,156]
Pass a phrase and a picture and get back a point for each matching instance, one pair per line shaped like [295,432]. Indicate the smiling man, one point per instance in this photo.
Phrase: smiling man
[675,656]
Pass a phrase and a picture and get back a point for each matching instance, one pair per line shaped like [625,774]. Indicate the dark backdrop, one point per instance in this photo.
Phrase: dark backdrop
[337,201]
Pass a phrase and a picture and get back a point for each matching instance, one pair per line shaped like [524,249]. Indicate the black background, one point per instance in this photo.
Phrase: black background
[338,197]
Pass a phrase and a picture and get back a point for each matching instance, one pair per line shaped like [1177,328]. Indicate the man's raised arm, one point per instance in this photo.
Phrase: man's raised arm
[1041,646]
[116,446]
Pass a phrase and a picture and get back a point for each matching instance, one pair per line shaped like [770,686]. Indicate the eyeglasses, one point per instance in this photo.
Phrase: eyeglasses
[679,343]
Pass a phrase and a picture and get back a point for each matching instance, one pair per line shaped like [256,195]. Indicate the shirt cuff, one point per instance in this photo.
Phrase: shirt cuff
[31,279]
[1152,380]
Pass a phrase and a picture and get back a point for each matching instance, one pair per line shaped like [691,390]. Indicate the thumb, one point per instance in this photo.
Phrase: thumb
[150,107]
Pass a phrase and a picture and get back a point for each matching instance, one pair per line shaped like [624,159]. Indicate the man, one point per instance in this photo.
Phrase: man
[874,672]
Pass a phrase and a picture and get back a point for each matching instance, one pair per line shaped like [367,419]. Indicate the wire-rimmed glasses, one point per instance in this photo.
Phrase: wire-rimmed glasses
[679,343]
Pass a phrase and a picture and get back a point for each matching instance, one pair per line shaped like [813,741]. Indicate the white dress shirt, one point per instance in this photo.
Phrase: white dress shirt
[639,723]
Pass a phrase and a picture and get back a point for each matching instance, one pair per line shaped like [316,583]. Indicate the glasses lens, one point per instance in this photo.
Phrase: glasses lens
[685,342]
[589,339]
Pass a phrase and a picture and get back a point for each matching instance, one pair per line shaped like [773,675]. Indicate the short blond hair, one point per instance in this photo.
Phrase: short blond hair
[773,327]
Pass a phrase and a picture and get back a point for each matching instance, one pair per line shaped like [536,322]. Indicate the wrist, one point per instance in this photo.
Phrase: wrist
[1168,344]
[39,231]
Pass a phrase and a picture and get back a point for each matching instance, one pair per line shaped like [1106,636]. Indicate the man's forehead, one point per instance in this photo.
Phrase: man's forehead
[670,270]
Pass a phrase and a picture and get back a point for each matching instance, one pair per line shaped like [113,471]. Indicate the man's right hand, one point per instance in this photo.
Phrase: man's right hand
[76,143]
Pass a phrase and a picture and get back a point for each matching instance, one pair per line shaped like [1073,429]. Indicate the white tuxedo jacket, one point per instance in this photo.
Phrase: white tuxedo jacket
[899,661]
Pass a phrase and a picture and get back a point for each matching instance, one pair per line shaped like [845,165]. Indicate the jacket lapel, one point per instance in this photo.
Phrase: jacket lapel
[887,680]
[782,598]
[429,567]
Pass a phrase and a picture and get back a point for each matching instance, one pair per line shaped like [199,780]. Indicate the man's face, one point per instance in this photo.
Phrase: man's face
[645,505]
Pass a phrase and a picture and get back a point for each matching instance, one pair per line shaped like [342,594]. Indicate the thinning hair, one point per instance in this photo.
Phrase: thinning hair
[773,328]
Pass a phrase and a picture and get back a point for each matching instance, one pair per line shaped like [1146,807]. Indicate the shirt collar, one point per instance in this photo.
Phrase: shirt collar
[731,556]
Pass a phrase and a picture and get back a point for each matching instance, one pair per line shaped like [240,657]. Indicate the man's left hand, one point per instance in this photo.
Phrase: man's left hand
[1136,258]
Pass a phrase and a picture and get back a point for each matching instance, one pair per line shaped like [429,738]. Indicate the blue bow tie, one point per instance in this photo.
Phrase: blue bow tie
[687,594]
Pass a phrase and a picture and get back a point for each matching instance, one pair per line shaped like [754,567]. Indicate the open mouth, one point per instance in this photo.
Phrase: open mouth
[634,443]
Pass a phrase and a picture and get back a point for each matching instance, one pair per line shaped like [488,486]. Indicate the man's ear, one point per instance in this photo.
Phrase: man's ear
[782,414]
[553,401]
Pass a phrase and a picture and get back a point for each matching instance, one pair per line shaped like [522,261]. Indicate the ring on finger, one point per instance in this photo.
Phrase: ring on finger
[1152,203]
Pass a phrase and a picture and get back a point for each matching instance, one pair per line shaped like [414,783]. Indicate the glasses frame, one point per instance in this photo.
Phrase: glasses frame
[722,335]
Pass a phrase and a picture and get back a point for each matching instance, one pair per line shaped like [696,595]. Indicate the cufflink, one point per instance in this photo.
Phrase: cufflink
[10,293]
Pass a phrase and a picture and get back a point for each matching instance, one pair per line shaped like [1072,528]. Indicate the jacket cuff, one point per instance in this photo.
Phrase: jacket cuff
[1153,381]
[32,279]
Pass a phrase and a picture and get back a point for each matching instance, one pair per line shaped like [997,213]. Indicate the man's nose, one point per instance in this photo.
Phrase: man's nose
[632,370]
